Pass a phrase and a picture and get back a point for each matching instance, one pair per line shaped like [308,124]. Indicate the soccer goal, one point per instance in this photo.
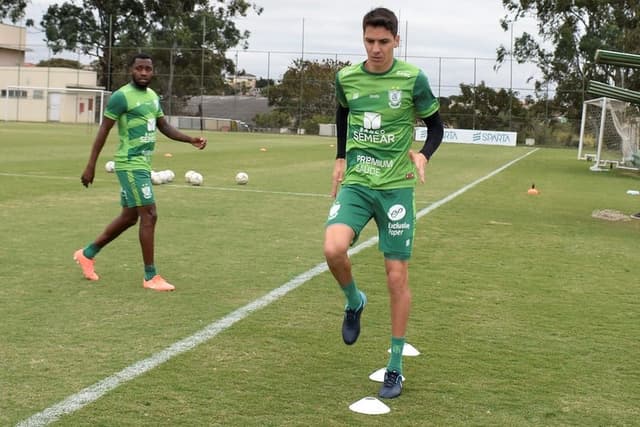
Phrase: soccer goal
[609,134]
[53,104]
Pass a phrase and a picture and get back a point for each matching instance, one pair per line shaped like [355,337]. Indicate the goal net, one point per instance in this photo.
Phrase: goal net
[609,134]
[53,104]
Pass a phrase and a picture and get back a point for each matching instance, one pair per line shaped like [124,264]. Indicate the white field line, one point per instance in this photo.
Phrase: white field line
[94,392]
[200,187]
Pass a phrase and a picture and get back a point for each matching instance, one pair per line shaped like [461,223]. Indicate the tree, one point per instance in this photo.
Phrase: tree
[306,90]
[185,37]
[574,30]
[482,107]
[14,10]
[272,119]
[60,62]
[262,83]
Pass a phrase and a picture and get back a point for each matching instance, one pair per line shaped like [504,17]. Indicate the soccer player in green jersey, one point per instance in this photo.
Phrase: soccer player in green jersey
[136,109]
[376,171]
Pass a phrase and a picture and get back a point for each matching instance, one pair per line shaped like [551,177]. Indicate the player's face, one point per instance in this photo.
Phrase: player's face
[379,43]
[142,71]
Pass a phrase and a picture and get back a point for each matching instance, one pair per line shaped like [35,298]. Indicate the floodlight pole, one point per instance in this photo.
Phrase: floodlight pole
[511,76]
[202,46]
[109,56]
[301,80]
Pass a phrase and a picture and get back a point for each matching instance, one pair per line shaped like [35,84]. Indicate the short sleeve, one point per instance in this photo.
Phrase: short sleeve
[116,106]
[340,97]
[425,102]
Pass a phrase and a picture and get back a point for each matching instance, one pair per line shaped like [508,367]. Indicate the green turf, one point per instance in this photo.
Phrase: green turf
[525,308]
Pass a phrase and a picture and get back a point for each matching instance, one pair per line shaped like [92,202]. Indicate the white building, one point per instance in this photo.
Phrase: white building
[43,94]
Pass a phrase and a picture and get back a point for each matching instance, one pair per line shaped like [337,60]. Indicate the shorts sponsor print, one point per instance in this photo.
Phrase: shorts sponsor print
[392,210]
[136,188]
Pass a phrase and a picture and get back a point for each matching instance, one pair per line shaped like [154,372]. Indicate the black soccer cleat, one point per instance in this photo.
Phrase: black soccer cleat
[392,385]
[351,322]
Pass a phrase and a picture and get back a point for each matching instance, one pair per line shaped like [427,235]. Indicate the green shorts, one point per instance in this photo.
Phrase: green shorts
[137,189]
[392,210]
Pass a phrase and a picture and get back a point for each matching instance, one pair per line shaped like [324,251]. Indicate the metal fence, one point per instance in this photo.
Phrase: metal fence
[445,74]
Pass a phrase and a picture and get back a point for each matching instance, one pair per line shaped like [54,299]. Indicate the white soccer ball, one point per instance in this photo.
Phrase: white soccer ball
[242,178]
[170,175]
[110,166]
[156,178]
[196,179]
[165,176]
[187,176]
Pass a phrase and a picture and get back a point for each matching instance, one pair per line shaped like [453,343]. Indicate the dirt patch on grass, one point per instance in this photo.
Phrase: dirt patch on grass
[610,215]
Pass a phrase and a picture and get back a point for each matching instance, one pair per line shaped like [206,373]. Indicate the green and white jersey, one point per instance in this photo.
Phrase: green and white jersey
[136,111]
[382,113]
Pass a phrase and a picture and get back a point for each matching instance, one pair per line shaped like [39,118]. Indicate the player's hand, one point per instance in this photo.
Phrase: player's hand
[420,161]
[337,176]
[199,142]
[87,176]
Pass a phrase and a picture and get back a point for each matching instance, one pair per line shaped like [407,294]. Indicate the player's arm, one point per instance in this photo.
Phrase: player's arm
[435,132]
[342,115]
[98,144]
[173,133]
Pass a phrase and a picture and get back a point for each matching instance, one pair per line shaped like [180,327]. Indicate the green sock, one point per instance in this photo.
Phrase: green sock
[395,361]
[354,299]
[149,271]
[91,250]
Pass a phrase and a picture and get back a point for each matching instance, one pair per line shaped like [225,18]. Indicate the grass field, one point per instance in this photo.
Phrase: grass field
[525,308]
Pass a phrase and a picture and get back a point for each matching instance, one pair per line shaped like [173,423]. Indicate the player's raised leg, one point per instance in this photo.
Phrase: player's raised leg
[337,240]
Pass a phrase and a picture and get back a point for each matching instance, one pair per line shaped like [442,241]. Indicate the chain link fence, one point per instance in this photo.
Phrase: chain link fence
[191,84]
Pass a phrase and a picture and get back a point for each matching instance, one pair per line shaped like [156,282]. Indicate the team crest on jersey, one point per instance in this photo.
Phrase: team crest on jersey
[395,98]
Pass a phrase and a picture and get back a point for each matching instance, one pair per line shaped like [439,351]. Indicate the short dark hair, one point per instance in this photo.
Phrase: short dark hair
[381,17]
[140,55]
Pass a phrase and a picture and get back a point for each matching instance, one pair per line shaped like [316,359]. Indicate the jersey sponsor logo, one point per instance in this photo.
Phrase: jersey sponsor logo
[371,130]
[151,125]
[148,138]
[372,120]
[396,212]
[374,136]
[395,98]
[403,73]
[333,212]
[371,166]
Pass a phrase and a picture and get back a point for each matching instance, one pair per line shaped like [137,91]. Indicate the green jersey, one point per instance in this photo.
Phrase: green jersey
[382,113]
[136,111]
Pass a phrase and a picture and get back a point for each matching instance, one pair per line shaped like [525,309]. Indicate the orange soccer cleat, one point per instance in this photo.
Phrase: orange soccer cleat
[86,264]
[157,283]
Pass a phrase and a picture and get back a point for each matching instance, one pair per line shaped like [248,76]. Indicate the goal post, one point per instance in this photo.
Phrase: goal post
[609,134]
[53,104]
